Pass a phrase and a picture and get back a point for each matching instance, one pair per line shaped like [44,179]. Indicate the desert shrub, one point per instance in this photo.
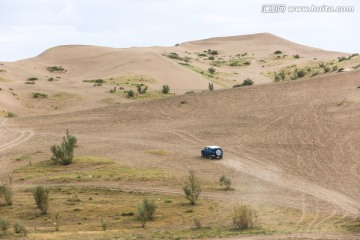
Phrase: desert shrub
[39,95]
[51,79]
[192,188]
[247,63]
[282,75]
[174,56]
[341,69]
[10,115]
[243,217]
[4,225]
[41,197]
[19,228]
[113,90]
[140,88]
[300,73]
[225,182]
[32,79]
[130,93]
[30,83]
[277,52]
[6,193]
[276,77]
[197,223]
[335,68]
[213,52]
[63,154]
[247,82]
[327,69]
[354,67]
[322,65]
[104,223]
[211,70]
[146,211]
[202,55]
[55,69]
[56,221]
[165,89]
[127,214]
[211,58]
[296,56]
[211,86]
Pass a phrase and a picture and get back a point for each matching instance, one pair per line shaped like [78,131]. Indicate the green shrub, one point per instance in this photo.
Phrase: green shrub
[192,188]
[19,228]
[197,223]
[202,55]
[296,56]
[211,58]
[277,52]
[6,192]
[276,77]
[39,95]
[300,73]
[247,82]
[165,89]
[211,86]
[327,69]
[140,89]
[225,182]
[10,115]
[4,225]
[146,211]
[282,75]
[335,68]
[55,69]
[63,154]
[56,221]
[41,196]
[213,52]
[211,70]
[104,224]
[32,79]
[130,93]
[30,83]
[51,79]
[243,217]
[341,69]
[247,63]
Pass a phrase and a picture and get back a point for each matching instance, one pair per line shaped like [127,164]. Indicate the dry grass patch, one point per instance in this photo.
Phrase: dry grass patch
[131,80]
[88,169]
[65,96]
[160,152]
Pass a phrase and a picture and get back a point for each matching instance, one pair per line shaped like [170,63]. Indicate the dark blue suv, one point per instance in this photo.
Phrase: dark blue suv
[212,152]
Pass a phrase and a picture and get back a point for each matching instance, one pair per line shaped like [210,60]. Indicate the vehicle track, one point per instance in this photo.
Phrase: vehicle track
[21,136]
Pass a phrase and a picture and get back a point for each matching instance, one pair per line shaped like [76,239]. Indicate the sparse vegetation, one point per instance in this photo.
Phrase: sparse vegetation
[10,115]
[51,79]
[243,217]
[165,89]
[41,196]
[225,182]
[278,52]
[56,221]
[104,224]
[63,154]
[296,56]
[130,93]
[141,88]
[4,225]
[211,70]
[56,69]
[19,228]
[39,95]
[211,86]
[6,192]
[301,73]
[213,52]
[246,82]
[32,79]
[146,211]
[192,188]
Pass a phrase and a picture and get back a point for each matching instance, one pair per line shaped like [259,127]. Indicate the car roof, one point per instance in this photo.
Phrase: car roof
[213,147]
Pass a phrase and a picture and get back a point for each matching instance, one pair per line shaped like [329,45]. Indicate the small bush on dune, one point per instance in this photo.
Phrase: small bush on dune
[6,192]
[39,95]
[10,115]
[130,93]
[300,73]
[243,217]
[146,211]
[19,228]
[192,188]
[278,52]
[63,154]
[4,225]
[211,70]
[55,69]
[165,89]
[41,196]
[141,89]
[32,79]
[225,182]
[211,86]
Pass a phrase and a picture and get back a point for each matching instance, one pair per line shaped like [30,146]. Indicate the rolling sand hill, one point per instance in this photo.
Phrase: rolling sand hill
[291,148]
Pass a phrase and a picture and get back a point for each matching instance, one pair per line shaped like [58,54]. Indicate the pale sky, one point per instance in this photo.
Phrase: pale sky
[29,27]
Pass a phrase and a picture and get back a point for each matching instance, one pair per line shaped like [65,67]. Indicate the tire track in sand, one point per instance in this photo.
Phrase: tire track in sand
[21,136]
[280,178]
